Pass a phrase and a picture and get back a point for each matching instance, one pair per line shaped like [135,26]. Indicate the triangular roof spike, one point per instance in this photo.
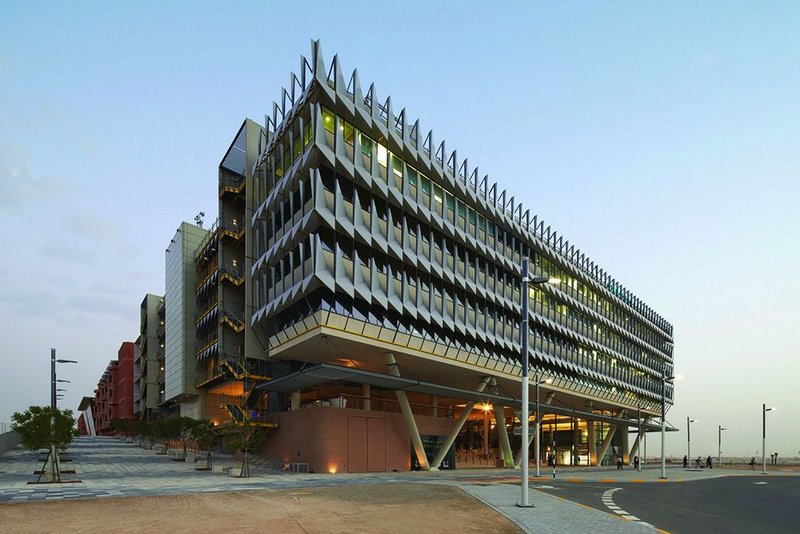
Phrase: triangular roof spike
[400,121]
[484,185]
[492,190]
[354,87]
[317,60]
[501,200]
[427,144]
[306,71]
[338,80]
[440,153]
[414,133]
[369,98]
[387,109]
[452,162]
[473,177]
[332,70]
[296,87]
[285,96]
[526,217]
[275,113]
[462,169]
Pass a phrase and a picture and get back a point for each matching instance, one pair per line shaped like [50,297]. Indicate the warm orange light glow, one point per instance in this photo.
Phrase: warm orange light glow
[215,423]
[332,470]
[487,407]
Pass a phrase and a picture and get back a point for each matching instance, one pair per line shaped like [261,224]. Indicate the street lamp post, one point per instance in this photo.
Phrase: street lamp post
[664,380]
[689,438]
[764,411]
[719,446]
[524,332]
[54,470]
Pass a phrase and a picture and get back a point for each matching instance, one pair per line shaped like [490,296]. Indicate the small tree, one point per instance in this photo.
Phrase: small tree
[176,428]
[243,436]
[37,430]
[203,435]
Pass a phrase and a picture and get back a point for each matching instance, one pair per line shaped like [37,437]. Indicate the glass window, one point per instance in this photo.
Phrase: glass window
[426,186]
[327,119]
[383,155]
[307,134]
[366,145]
[349,132]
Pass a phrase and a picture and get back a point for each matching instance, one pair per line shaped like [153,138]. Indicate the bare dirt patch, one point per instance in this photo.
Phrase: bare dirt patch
[378,508]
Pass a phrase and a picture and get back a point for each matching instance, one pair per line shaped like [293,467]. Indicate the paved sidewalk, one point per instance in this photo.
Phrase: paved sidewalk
[108,467]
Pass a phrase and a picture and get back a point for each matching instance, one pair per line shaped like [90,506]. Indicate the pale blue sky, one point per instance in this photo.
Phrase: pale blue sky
[662,139]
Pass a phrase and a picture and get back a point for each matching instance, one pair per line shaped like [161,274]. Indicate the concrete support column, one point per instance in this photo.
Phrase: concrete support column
[448,442]
[505,446]
[591,444]
[624,447]
[295,400]
[635,447]
[366,392]
[486,433]
[405,407]
[434,406]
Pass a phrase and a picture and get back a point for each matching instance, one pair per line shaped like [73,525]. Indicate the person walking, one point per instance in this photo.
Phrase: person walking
[753,463]
[636,462]
[708,462]
[685,462]
[619,463]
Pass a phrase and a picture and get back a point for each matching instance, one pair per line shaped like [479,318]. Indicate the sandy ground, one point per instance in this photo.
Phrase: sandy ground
[414,508]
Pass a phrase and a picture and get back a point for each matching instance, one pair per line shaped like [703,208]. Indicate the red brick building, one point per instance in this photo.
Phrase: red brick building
[114,393]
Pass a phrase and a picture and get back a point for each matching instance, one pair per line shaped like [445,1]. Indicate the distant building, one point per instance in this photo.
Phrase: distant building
[180,378]
[113,398]
[149,350]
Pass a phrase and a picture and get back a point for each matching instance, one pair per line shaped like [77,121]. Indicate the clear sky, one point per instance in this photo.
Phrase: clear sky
[663,139]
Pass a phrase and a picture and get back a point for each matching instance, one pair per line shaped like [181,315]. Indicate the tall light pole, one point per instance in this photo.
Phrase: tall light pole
[54,470]
[524,332]
[664,380]
[719,446]
[764,411]
[689,438]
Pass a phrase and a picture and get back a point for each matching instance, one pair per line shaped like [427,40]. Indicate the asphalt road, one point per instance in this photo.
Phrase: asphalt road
[728,504]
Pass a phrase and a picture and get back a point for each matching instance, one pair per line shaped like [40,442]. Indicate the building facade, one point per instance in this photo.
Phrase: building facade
[180,309]
[114,395]
[378,253]
[149,347]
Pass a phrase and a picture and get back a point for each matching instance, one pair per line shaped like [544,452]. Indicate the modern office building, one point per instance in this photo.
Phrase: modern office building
[146,369]
[387,278]
[180,376]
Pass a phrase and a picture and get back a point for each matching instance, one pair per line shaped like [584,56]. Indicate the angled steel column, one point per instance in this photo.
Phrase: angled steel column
[612,429]
[451,438]
[405,407]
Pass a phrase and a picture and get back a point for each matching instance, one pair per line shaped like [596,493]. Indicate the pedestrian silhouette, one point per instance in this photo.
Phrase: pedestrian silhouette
[636,462]
[619,463]
[685,462]
[753,463]
[697,463]
[708,462]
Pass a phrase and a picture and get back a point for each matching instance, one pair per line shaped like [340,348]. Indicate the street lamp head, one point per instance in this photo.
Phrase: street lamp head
[66,361]
[65,381]
[692,420]
[538,280]
[548,381]
[768,409]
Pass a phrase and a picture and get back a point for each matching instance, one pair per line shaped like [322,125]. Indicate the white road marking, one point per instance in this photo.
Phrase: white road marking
[608,501]
[760,483]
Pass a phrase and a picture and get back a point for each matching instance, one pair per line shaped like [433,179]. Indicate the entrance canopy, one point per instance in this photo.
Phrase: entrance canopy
[323,373]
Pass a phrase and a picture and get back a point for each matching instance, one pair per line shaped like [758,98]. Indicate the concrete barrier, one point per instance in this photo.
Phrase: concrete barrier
[8,441]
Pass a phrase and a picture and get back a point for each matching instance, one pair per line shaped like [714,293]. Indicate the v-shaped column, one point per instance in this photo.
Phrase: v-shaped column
[405,407]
